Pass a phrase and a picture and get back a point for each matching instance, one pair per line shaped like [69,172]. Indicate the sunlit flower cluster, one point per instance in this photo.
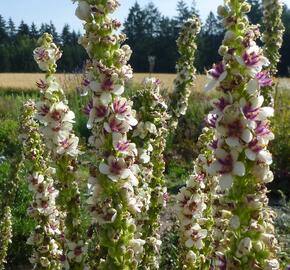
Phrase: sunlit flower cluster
[113,182]
[57,128]
[46,236]
[185,69]
[242,133]
[149,137]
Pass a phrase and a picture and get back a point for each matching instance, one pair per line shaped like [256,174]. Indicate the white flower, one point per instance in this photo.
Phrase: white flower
[244,247]
[195,237]
[83,11]
[124,146]
[253,59]
[232,125]
[97,113]
[191,256]
[217,74]
[115,125]
[116,169]
[137,246]
[272,264]
[228,166]
[68,146]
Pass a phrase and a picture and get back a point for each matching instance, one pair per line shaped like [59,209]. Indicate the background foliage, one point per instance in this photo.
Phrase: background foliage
[148,31]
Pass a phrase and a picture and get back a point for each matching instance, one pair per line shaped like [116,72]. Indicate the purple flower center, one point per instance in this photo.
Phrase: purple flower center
[56,115]
[235,128]
[227,164]
[44,110]
[211,120]
[116,126]
[262,128]
[214,144]
[251,59]
[78,251]
[107,85]
[264,79]
[101,110]
[120,107]
[217,70]
[42,55]
[249,112]
[221,103]
[123,146]
[87,109]
[115,168]
[85,82]
[41,84]
[254,146]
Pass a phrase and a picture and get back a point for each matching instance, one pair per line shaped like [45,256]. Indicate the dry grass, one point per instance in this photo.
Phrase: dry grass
[71,81]
[27,81]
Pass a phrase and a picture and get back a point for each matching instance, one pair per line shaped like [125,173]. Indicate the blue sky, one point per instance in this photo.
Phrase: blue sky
[62,11]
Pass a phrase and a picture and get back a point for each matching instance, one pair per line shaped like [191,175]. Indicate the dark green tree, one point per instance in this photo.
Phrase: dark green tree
[11,29]
[3,33]
[33,31]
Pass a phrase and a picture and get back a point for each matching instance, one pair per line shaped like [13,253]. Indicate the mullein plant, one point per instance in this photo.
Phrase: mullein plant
[5,235]
[242,133]
[185,69]
[46,236]
[113,202]
[150,139]
[6,204]
[272,38]
[57,120]
[273,32]
[194,209]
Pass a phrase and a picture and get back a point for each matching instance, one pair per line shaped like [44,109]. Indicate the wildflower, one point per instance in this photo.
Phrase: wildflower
[217,74]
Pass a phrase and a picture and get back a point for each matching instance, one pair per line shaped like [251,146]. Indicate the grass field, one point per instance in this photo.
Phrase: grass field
[70,81]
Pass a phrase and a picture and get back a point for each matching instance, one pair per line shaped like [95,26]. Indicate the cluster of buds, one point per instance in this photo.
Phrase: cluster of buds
[242,133]
[5,235]
[46,236]
[185,69]
[194,209]
[150,139]
[113,183]
[57,121]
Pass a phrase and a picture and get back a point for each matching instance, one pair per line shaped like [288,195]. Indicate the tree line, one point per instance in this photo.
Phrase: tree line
[149,34]
[17,44]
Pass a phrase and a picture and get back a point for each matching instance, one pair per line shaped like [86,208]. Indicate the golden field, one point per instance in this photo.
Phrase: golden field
[70,81]
[26,81]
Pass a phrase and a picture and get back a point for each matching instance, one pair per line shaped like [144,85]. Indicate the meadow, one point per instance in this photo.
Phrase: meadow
[179,156]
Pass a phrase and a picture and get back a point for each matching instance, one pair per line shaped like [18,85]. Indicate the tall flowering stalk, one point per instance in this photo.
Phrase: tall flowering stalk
[273,32]
[150,138]
[194,209]
[273,39]
[184,81]
[57,128]
[45,238]
[114,200]
[5,235]
[242,133]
